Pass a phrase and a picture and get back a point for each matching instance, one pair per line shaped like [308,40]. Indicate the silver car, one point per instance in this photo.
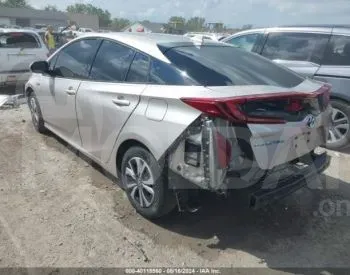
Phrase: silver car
[321,52]
[169,116]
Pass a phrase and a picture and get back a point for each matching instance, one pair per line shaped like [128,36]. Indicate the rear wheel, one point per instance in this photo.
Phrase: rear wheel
[339,132]
[37,118]
[145,183]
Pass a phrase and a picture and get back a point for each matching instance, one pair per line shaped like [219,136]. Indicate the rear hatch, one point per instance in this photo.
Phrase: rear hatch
[285,123]
[287,115]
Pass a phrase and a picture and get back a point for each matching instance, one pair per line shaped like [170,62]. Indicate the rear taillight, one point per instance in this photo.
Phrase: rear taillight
[263,108]
[223,148]
[294,105]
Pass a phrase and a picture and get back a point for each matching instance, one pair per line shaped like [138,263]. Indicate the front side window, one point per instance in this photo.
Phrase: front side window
[338,51]
[229,66]
[19,40]
[245,42]
[296,46]
[138,72]
[75,60]
[112,62]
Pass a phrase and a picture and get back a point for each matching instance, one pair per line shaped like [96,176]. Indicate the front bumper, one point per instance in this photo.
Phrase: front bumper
[273,190]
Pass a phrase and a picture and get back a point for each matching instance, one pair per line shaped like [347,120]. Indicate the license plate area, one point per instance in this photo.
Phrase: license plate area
[304,142]
[11,79]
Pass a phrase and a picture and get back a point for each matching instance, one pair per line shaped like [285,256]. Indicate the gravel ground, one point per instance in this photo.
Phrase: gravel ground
[59,210]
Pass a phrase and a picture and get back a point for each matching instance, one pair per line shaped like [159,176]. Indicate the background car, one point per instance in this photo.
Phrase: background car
[319,52]
[18,49]
[202,35]
[163,113]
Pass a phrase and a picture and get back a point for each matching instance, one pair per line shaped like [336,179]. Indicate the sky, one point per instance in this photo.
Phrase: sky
[233,13]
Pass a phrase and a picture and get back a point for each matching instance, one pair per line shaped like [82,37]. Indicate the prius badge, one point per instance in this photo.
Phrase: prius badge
[310,121]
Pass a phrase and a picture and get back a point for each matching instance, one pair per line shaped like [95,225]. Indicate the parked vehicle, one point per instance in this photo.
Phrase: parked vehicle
[319,52]
[202,35]
[166,115]
[18,49]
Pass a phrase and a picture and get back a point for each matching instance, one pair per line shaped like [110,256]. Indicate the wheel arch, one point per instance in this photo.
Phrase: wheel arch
[124,146]
[28,91]
[340,98]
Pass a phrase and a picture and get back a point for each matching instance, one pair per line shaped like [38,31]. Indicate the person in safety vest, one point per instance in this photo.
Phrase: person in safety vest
[50,40]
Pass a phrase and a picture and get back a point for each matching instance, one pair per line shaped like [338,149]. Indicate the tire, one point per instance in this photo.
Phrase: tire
[37,117]
[135,160]
[342,111]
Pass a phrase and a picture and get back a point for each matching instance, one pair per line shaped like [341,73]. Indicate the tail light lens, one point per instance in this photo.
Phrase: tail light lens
[274,108]
[223,147]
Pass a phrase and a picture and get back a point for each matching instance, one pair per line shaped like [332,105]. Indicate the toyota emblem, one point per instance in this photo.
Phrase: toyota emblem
[310,121]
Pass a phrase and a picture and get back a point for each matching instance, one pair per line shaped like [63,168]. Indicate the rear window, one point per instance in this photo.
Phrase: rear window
[18,40]
[338,51]
[229,66]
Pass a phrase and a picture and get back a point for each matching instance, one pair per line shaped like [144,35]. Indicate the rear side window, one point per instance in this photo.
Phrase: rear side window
[112,62]
[296,46]
[165,74]
[75,60]
[138,72]
[18,40]
[228,66]
[245,42]
[338,51]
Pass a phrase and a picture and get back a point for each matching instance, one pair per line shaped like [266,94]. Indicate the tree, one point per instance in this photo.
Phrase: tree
[177,22]
[119,24]
[51,8]
[104,17]
[195,24]
[15,4]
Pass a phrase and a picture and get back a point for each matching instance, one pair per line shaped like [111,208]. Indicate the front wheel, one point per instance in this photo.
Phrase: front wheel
[339,132]
[37,117]
[145,184]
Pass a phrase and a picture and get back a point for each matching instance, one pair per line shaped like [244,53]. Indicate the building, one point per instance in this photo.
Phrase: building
[25,17]
[85,20]
[146,27]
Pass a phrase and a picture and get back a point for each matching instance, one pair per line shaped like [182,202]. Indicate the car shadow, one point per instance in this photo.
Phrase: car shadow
[297,231]
[307,229]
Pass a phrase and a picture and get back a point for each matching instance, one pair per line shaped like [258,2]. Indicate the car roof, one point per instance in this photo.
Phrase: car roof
[7,30]
[336,29]
[150,43]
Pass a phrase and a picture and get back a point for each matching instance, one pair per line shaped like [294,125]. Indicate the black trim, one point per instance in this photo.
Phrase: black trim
[333,76]
[93,60]
[286,186]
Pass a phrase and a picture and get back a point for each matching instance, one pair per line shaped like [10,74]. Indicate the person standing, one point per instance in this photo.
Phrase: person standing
[50,40]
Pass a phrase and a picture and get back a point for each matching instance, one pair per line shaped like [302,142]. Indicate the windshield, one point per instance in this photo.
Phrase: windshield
[227,66]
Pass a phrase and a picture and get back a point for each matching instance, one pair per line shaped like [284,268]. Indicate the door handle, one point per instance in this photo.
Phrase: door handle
[70,92]
[121,102]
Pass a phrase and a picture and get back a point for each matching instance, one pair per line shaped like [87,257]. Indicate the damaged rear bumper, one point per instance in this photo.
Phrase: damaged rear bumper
[273,190]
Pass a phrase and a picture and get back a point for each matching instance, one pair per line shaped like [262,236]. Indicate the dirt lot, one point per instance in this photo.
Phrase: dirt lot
[58,210]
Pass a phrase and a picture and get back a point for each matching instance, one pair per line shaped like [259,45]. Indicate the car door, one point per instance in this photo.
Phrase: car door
[301,52]
[72,65]
[108,98]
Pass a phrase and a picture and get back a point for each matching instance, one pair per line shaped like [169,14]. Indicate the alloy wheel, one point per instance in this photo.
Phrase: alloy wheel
[139,182]
[340,126]
[34,110]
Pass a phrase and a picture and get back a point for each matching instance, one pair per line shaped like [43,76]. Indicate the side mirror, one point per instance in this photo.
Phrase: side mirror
[40,67]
